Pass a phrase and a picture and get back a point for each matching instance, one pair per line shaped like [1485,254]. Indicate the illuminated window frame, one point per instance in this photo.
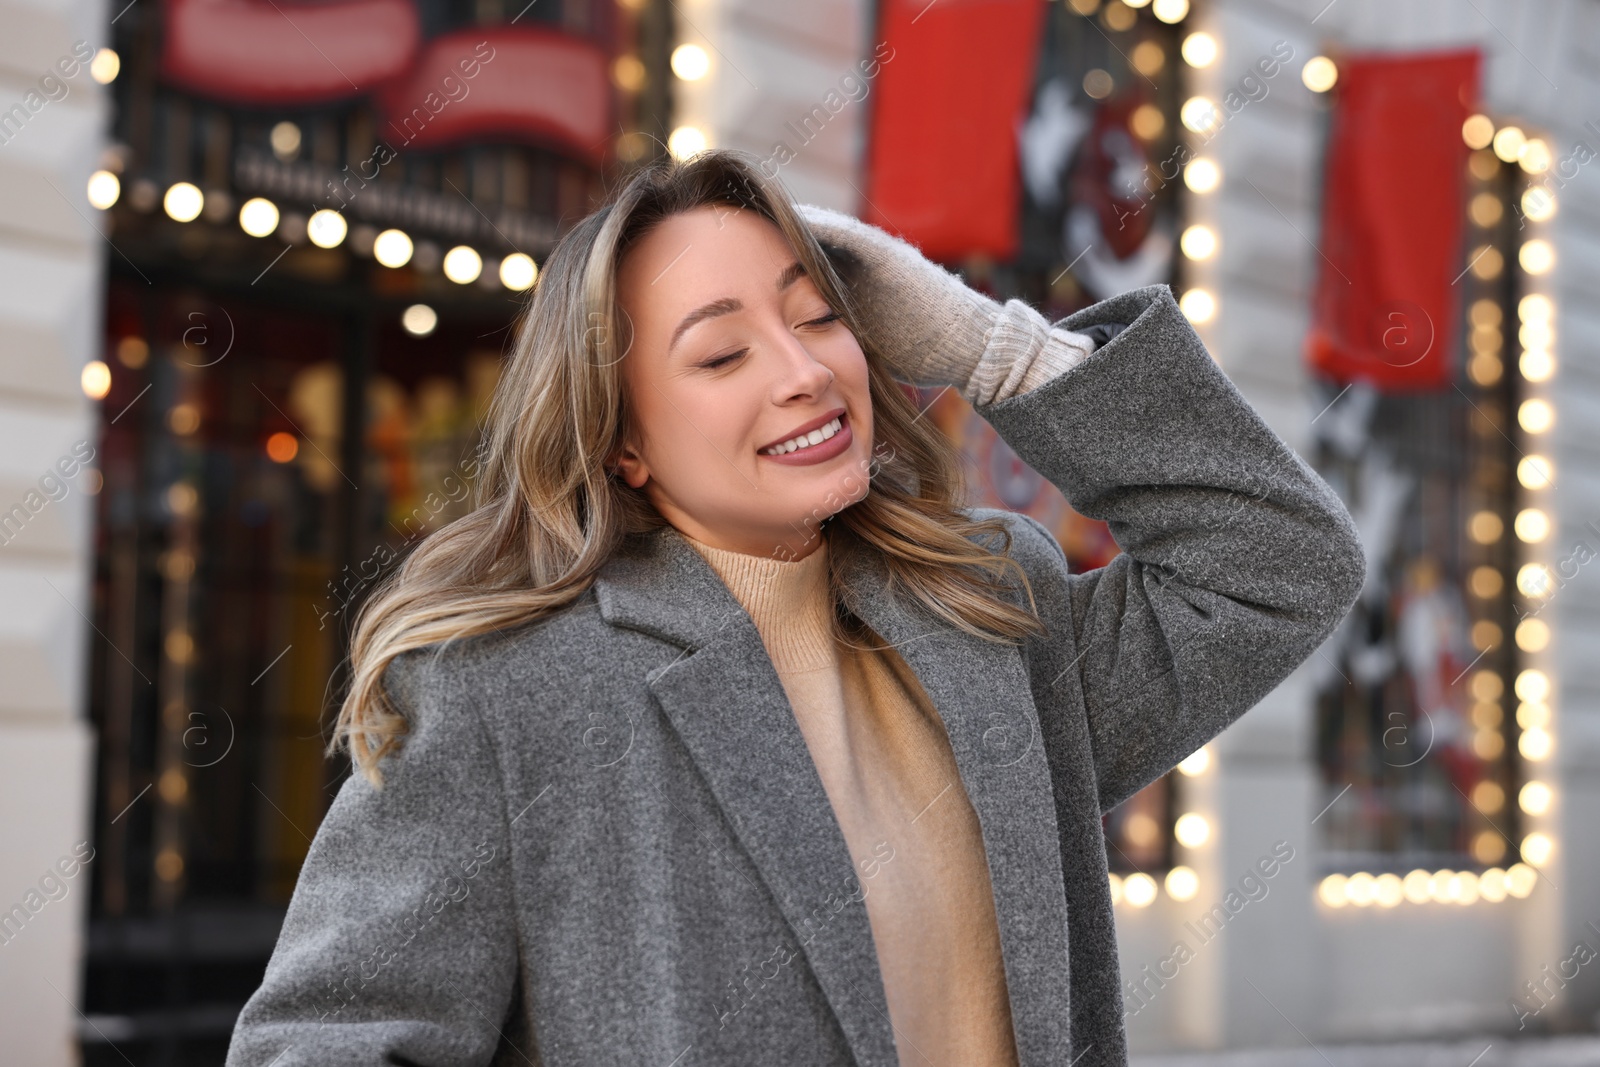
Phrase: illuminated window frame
[1508,168]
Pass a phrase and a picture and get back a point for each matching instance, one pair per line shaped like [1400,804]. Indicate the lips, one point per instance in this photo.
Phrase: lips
[805,428]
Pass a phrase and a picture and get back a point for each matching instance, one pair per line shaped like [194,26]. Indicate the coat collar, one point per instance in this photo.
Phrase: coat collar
[752,754]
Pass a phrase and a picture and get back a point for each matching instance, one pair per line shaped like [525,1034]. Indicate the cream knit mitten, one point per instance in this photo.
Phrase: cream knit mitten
[931,327]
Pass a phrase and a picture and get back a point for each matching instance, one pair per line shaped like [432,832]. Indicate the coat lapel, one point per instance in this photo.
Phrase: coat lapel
[727,704]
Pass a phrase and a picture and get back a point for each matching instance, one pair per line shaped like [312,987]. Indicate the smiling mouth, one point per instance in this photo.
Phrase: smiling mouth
[806,440]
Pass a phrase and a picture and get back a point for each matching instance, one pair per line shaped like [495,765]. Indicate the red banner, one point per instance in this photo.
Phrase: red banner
[1387,293]
[942,163]
[513,81]
[253,52]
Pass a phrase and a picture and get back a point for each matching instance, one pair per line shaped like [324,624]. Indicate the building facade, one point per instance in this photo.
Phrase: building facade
[226,413]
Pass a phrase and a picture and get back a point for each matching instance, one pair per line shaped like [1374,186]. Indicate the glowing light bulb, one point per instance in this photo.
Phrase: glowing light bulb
[1191,830]
[1535,745]
[1533,635]
[1200,50]
[1539,203]
[518,272]
[462,265]
[1535,798]
[1361,889]
[1535,306]
[1532,525]
[1477,131]
[105,66]
[285,139]
[1182,883]
[690,62]
[686,141]
[392,248]
[629,73]
[1319,74]
[1198,305]
[1200,114]
[1536,416]
[183,202]
[1538,848]
[95,379]
[258,216]
[326,228]
[1202,175]
[1197,762]
[1537,256]
[1537,365]
[104,189]
[1170,11]
[1508,143]
[1534,156]
[419,320]
[1535,472]
[1199,242]
[1390,890]
[282,447]
[1139,890]
[1533,580]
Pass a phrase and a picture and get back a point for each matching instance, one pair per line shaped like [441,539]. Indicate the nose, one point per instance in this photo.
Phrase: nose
[801,374]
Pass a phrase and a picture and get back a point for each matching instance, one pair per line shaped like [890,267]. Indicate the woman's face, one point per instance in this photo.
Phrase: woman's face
[735,352]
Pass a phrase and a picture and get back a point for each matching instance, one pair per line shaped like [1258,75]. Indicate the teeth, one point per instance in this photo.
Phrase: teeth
[805,440]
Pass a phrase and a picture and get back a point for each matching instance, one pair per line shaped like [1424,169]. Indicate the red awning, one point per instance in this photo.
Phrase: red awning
[527,83]
[253,52]
[521,83]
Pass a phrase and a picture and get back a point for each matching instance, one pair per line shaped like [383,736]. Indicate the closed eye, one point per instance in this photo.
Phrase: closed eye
[712,364]
[719,361]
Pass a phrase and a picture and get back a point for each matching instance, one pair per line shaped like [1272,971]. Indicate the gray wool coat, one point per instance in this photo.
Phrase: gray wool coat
[605,842]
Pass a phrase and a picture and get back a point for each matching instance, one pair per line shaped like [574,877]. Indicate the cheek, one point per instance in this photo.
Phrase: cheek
[850,367]
[845,358]
[690,429]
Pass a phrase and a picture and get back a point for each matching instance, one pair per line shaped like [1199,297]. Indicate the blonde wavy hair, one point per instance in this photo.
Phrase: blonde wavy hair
[549,512]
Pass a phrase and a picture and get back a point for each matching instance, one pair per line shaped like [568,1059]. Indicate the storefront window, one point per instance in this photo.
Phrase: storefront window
[1417,732]
[303,330]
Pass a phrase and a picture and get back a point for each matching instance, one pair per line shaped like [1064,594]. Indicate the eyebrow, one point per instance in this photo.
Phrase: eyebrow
[790,274]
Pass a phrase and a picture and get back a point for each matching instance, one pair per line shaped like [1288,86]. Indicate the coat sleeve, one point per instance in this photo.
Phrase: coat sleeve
[1236,559]
[399,945]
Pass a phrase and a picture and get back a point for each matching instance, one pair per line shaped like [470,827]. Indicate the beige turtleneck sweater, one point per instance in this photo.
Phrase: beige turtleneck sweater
[885,761]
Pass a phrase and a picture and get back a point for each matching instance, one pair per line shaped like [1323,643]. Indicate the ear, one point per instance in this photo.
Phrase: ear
[627,462]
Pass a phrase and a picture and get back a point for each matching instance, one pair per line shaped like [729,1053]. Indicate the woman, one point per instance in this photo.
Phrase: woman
[720,733]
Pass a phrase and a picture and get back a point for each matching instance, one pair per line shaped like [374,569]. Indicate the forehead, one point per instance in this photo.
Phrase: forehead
[698,256]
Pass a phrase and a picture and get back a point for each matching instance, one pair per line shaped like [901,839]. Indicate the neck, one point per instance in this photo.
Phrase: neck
[788,546]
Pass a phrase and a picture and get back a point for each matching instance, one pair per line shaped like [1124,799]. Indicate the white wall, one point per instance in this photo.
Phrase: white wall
[771,66]
[51,310]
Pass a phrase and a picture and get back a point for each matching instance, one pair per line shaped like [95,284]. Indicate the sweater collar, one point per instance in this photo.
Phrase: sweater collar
[788,600]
